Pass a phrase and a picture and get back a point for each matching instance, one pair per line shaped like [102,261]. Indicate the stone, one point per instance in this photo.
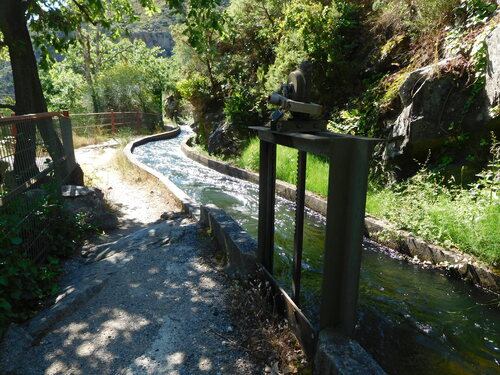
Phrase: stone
[337,355]
[432,110]
[223,141]
[170,215]
[171,107]
[433,103]
[76,176]
[89,203]
[240,250]
[492,86]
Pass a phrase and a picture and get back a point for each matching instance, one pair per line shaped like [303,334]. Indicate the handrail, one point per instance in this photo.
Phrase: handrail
[115,112]
[99,113]
[34,116]
[38,116]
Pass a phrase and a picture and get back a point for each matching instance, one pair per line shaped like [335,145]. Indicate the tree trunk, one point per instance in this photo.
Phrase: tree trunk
[28,90]
[87,68]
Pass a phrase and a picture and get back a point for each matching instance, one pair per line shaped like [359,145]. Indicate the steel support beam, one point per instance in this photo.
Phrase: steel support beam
[347,186]
[267,188]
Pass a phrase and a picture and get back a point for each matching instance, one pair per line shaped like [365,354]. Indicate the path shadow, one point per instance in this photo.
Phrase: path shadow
[164,312]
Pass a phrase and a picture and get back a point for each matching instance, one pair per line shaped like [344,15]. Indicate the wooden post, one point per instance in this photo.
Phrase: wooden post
[112,123]
[67,139]
[137,122]
[14,127]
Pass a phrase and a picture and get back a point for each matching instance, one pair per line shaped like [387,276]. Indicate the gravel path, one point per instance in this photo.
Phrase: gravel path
[163,307]
[137,201]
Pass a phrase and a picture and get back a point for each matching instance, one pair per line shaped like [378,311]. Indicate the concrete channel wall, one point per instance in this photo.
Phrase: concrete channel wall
[453,262]
[335,355]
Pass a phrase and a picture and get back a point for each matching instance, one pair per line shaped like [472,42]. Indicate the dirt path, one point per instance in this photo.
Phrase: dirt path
[136,200]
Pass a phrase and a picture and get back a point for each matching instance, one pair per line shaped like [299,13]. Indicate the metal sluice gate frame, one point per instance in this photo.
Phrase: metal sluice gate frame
[347,184]
[348,158]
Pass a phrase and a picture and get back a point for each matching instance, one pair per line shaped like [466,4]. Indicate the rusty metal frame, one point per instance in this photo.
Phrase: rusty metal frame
[347,184]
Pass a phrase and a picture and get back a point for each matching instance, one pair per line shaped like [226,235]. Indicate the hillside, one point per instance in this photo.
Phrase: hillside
[154,29]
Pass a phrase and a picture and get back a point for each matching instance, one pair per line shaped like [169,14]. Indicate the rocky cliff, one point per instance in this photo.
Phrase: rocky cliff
[446,115]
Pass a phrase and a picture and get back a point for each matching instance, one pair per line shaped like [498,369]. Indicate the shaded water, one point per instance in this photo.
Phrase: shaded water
[413,321]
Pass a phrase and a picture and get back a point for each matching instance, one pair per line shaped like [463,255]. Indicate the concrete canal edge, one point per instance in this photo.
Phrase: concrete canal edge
[453,262]
[187,204]
[335,355]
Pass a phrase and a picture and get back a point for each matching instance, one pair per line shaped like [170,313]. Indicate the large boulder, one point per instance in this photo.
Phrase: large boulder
[171,107]
[224,140]
[89,203]
[440,108]
[431,105]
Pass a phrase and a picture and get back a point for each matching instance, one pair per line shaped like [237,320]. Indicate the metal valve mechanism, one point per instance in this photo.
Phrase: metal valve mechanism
[294,96]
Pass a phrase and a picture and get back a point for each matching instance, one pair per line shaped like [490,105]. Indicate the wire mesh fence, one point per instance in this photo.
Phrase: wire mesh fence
[35,157]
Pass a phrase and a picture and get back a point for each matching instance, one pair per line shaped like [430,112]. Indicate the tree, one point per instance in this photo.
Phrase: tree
[99,73]
[53,24]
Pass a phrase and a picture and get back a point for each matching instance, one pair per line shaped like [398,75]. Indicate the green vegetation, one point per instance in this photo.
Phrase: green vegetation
[99,74]
[286,166]
[25,284]
[466,218]
[228,56]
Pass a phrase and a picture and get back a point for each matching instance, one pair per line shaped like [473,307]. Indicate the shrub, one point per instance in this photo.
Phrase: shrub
[24,283]
[126,87]
[417,16]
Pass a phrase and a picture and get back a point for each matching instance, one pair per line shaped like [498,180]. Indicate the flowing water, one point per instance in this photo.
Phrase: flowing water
[412,320]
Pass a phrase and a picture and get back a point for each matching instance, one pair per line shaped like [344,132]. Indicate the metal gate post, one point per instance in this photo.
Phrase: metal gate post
[344,232]
[299,225]
[267,187]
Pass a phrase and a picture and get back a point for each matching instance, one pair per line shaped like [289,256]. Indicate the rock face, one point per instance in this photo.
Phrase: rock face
[439,107]
[171,107]
[156,39]
[89,202]
[492,87]
[223,141]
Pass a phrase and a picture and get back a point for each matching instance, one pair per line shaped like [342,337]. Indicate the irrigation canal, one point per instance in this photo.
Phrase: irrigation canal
[412,320]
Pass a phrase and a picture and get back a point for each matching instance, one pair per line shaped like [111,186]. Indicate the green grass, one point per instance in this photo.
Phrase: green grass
[468,219]
[286,166]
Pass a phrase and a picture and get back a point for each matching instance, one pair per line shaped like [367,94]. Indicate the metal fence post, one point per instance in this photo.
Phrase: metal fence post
[137,122]
[347,187]
[14,127]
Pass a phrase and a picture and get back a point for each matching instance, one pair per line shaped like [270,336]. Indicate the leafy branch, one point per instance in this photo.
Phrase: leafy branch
[8,106]
[84,11]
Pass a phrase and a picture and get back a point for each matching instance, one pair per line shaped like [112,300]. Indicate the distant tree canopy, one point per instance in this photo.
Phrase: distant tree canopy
[99,74]
[52,26]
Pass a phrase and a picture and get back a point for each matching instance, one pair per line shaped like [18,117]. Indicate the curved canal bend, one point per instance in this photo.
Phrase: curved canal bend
[413,321]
